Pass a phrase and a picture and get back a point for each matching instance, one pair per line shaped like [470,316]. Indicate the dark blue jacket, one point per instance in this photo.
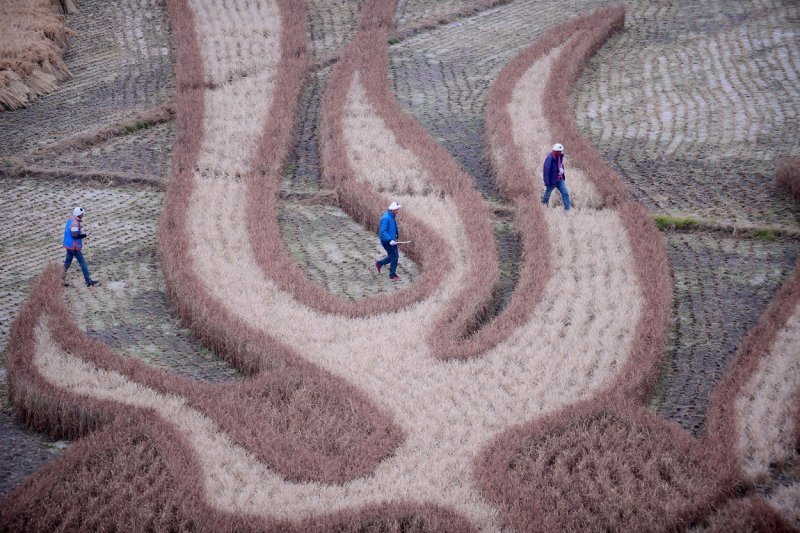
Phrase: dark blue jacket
[550,170]
[388,227]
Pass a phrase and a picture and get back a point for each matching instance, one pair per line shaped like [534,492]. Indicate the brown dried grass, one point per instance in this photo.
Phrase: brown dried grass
[235,340]
[650,257]
[768,346]
[613,429]
[33,39]
[516,179]
[311,429]
[746,514]
[543,494]
[457,333]
[788,176]
[599,468]
[725,428]
[767,406]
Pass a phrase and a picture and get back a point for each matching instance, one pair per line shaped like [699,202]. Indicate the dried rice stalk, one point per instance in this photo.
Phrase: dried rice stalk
[33,38]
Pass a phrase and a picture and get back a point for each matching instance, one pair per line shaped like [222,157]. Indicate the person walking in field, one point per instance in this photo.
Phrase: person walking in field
[73,243]
[388,235]
[554,175]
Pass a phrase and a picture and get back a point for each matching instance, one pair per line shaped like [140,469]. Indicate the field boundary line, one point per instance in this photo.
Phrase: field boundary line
[20,171]
[138,121]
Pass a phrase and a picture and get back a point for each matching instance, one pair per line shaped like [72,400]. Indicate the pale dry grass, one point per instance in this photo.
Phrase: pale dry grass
[240,47]
[572,344]
[787,502]
[533,137]
[33,38]
[374,152]
[215,449]
[766,407]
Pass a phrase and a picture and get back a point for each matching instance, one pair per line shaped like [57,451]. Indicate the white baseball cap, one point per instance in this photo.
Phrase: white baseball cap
[558,147]
[78,211]
[395,206]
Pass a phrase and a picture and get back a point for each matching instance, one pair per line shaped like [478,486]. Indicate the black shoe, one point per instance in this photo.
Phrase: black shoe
[378,266]
[93,283]
[394,278]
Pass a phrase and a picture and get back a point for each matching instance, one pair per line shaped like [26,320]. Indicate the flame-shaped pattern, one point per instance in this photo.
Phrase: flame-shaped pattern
[440,411]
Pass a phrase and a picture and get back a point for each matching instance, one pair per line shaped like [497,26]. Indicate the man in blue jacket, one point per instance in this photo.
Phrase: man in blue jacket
[388,236]
[73,242]
[554,175]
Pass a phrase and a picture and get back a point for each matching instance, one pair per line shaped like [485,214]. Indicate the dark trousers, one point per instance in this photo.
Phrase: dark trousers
[81,261]
[390,259]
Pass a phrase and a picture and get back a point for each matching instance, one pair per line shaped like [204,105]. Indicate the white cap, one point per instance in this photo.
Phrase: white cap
[395,206]
[77,212]
[557,147]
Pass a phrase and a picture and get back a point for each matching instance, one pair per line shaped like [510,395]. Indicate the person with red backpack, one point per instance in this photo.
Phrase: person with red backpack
[73,243]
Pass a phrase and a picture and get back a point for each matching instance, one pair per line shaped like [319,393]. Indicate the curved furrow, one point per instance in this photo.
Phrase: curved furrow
[70,383]
[711,113]
[530,470]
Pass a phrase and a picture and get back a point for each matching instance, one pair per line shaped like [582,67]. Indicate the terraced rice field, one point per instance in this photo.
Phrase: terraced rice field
[632,364]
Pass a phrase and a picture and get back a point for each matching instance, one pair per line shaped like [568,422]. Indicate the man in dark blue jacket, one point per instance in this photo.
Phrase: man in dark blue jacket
[73,243]
[554,175]
[388,236]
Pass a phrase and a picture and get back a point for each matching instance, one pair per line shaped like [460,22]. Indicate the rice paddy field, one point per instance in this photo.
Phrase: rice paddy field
[632,364]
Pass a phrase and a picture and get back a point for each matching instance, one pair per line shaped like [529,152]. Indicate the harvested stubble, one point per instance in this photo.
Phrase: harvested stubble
[767,406]
[33,38]
[786,500]
[716,303]
[413,16]
[331,25]
[122,60]
[349,348]
[442,77]
[374,131]
[712,110]
[597,191]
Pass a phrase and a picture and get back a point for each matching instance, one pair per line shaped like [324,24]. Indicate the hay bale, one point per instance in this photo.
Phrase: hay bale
[33,38]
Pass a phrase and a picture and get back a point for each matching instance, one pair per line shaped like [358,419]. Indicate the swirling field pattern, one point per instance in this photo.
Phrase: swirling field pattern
[408,410]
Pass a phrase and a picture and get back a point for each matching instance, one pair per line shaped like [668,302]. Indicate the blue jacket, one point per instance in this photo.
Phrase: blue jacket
[550,170]
[73,237]
[388,230]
